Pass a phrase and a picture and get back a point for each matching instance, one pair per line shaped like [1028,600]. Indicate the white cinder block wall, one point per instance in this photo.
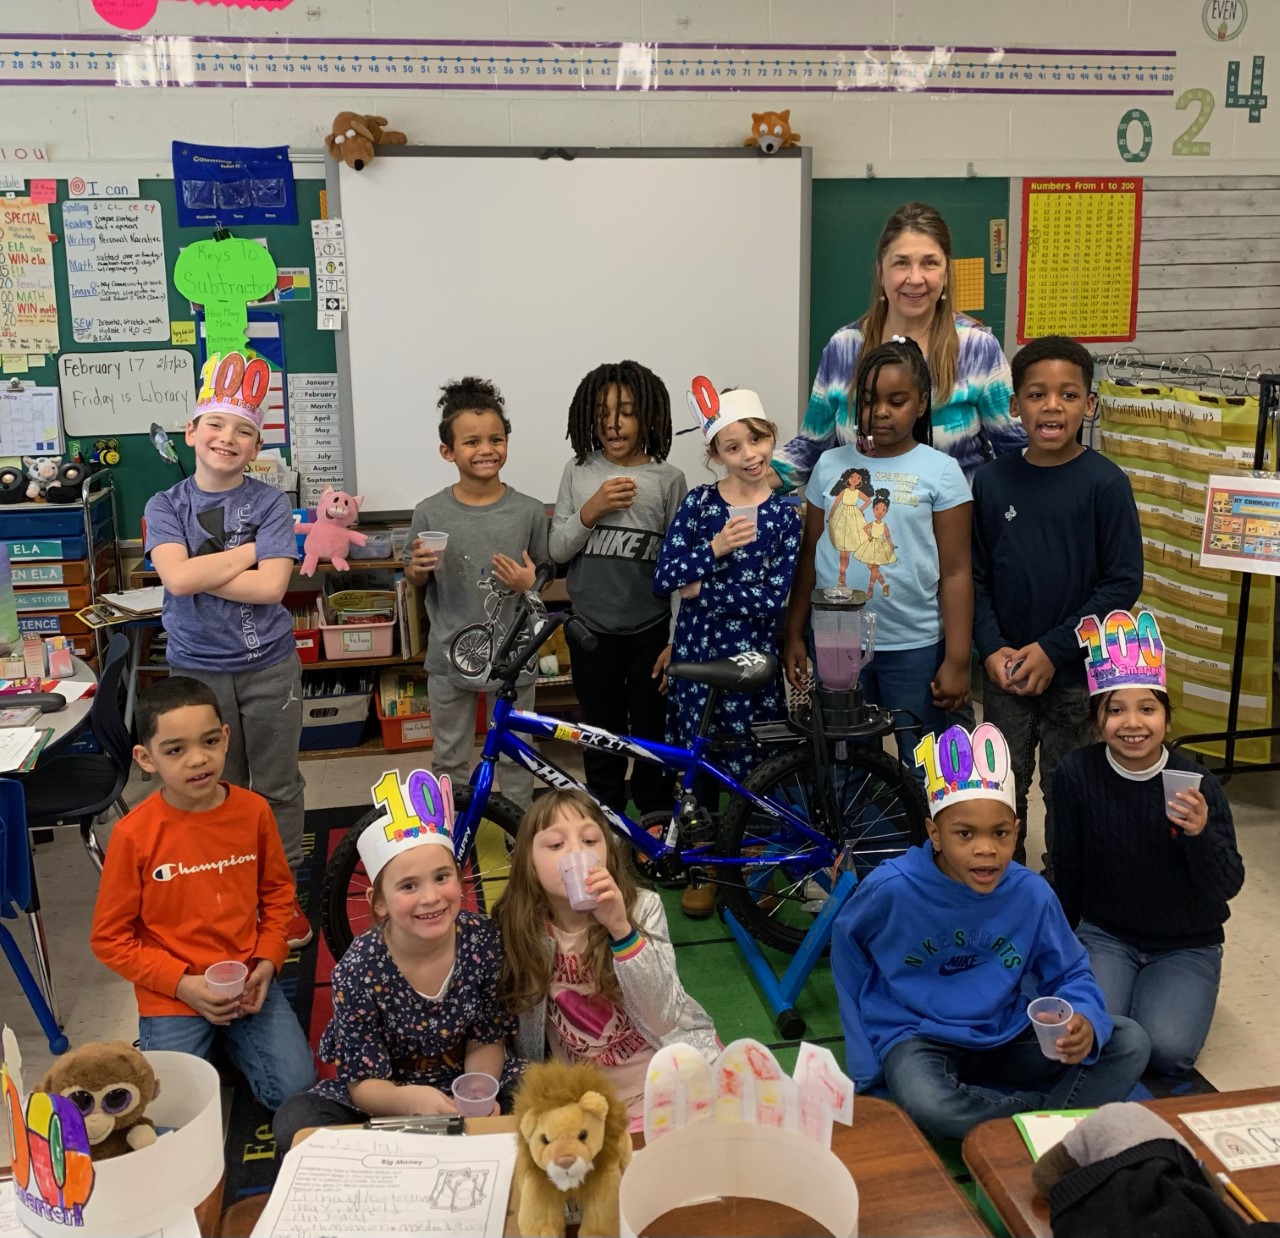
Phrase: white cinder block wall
[899,134]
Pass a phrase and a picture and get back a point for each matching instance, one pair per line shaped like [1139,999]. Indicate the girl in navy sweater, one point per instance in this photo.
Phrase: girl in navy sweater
[1142,869]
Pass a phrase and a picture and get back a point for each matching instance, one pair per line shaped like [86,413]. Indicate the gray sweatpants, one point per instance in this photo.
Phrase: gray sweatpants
[453,729]
[263,708]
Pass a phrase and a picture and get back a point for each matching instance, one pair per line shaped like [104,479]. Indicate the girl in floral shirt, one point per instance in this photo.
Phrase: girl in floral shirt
[415,998]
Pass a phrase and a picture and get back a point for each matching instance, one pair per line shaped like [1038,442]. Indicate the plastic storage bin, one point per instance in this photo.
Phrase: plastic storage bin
[402,732]
[306,640]
[377,547]
[355,640]
[337,717]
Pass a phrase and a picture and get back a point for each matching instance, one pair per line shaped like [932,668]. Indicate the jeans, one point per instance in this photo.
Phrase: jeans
[1057,720]
[1169,993]
[263,708]
[900,679]
[308,1109]
[268,1048]
[614,681]
[947,1090]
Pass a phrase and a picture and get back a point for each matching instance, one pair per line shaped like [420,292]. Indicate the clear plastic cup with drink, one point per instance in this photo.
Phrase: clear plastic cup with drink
[474,1094]
[1176,780]
[1050,1016]
[226,979]
[750,512]
[574,867]
[431,539]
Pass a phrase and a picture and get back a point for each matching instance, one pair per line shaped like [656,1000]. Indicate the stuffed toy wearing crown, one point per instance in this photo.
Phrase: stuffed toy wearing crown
[1123,650]
[712,411]
[421,812]
[236,384]
[960,766]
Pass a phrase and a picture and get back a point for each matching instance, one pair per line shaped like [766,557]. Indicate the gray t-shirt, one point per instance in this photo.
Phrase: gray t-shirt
[457,590]
[611,565]
[209,633]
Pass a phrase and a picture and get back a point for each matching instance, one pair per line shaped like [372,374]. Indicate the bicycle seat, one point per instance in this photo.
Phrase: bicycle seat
[743,672]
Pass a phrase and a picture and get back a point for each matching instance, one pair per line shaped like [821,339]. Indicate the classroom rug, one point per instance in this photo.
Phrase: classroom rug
[711,968]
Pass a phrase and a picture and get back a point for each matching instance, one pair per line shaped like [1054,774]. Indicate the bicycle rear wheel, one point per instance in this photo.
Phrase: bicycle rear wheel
[344,905]
[882,813]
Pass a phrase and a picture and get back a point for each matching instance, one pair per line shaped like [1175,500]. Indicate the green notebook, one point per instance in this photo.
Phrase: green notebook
[1046,1127]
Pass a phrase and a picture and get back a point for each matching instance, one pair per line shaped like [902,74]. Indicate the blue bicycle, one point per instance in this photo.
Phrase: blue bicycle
[817,808]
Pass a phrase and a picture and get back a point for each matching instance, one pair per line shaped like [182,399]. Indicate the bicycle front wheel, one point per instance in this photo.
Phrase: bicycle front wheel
[344,902]
[472,649]
[881,813]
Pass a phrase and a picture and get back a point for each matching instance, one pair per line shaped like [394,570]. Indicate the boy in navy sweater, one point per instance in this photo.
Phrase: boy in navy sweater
[1055,538]
[932,953]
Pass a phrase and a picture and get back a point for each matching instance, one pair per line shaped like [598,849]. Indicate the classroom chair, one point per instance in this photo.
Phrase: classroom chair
[78,787]
[15,896]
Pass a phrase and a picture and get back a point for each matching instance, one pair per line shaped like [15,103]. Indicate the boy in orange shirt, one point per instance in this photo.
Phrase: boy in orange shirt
[194,876]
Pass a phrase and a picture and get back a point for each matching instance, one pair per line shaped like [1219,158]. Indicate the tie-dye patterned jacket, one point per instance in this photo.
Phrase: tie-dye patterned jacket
[972,426]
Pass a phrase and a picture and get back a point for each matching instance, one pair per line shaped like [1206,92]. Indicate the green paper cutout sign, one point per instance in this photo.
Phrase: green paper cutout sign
[223,276]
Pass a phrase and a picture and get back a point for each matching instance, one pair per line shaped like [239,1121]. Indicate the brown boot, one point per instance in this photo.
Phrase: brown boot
[699,902]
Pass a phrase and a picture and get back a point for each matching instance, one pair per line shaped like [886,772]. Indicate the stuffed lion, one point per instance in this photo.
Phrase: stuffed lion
[573,1147]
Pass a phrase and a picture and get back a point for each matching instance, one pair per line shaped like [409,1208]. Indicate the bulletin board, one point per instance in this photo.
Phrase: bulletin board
[141,472]
[848,216]
[1081,241]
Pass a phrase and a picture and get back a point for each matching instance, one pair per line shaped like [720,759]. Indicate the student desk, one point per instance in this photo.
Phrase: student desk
[1001,1164]
[903,1188]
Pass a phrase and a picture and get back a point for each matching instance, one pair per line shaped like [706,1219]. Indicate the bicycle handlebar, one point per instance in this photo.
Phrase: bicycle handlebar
[581,633]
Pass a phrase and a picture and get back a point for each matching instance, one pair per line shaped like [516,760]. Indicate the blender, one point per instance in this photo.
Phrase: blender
[844,642]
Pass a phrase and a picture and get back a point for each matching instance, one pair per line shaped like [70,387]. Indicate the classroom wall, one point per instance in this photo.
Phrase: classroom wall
[898,132]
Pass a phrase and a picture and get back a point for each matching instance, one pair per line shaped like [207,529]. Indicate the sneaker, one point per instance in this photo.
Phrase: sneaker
[699,902]
[300,931]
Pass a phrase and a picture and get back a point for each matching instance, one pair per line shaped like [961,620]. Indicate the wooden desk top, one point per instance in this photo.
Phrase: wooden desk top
[903,1188]
[1001,1164]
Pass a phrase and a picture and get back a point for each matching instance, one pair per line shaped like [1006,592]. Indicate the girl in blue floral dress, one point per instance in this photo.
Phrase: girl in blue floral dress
[415,998]
[733,575]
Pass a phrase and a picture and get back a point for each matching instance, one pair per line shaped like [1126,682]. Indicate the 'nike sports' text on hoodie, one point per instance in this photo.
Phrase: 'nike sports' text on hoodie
[917,954]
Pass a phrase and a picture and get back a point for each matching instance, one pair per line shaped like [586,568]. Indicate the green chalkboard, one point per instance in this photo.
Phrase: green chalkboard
[141,472]
[847,218]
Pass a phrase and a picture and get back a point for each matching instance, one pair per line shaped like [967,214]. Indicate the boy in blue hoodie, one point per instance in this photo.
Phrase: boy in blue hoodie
[932,953]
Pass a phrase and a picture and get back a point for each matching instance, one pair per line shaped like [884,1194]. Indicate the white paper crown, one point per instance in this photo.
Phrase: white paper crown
[1122,651]
[959,766]
[58,1189]
[713,411]
[741,1127]
[420,811]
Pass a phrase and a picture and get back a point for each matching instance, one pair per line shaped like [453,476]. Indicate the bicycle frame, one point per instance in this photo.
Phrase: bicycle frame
[503,739]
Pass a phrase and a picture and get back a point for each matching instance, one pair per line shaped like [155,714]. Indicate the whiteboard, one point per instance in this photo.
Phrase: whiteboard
[532,271]
[124,392]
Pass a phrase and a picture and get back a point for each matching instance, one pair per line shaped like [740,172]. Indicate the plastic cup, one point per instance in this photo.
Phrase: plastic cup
[226,979]
[431,540]
[574,867]
[1050,1016]
[474,1094]
[747,513]
[1176,780]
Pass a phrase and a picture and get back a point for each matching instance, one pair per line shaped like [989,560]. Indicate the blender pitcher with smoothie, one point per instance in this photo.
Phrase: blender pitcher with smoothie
[844,642]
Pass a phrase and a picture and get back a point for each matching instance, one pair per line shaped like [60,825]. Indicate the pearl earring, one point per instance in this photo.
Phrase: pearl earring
[943,297]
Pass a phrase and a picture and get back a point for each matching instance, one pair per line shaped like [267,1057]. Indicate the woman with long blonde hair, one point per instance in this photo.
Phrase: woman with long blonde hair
[912,297]
[596,985]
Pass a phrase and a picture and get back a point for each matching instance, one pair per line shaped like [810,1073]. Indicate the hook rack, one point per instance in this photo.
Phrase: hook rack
[1126,362]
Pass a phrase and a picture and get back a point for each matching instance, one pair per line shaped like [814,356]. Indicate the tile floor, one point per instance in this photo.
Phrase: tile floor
[1242,1050]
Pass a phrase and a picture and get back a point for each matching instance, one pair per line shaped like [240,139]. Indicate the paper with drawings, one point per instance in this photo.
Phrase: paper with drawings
[376,1182]
[1246,1138]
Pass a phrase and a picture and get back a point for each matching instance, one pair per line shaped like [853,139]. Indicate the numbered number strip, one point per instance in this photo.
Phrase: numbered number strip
[404,64]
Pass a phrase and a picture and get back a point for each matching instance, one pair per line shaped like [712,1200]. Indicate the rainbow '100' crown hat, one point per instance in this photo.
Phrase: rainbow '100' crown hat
[1123,650]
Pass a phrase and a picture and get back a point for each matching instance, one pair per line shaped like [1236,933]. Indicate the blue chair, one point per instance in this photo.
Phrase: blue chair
[15,897]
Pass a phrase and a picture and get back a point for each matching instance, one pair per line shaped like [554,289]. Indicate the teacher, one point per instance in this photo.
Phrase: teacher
[912,295]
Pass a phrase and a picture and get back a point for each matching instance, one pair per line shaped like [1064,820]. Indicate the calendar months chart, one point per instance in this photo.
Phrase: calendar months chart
[1080,246]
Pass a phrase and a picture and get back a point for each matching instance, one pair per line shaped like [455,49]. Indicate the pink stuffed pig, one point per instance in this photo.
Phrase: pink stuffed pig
[330,536]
